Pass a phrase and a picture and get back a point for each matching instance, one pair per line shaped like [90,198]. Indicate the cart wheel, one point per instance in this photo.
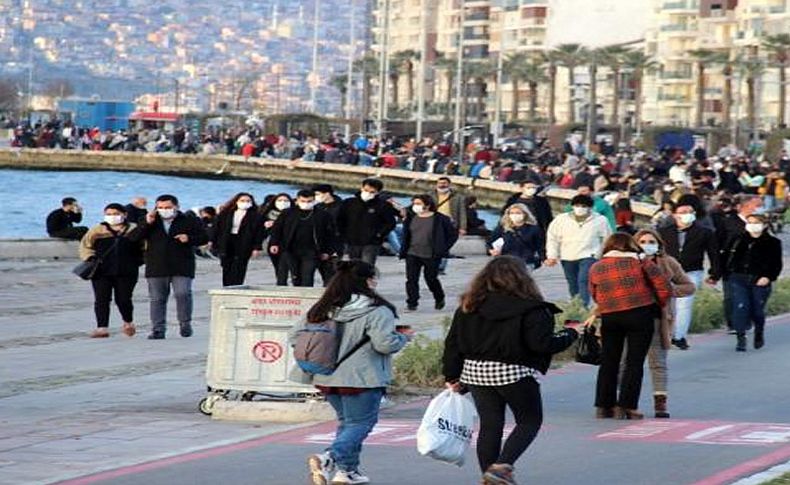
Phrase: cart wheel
[206,405]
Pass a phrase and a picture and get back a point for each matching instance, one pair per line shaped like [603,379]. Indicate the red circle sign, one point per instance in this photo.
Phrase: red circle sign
[267,351]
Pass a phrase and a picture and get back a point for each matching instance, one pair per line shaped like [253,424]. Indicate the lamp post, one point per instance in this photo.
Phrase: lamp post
[459,73]
[350,73]
[383,64]
[421,73]
[314,77]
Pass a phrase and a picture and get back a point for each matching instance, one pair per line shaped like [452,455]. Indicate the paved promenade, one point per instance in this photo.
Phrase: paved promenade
[71,406]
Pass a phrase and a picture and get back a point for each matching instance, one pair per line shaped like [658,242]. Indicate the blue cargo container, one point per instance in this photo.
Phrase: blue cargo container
[107,115]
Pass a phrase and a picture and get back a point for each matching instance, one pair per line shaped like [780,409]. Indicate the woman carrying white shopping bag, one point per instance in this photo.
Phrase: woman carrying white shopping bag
[500,341]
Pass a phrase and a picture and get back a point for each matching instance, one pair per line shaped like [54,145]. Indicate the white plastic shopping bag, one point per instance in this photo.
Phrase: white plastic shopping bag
[447,427]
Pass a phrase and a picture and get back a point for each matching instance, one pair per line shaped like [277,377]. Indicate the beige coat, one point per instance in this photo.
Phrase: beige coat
[681,286]
[99,231]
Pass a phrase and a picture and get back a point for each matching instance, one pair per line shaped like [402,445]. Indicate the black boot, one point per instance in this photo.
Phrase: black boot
[759,337]
[741,347]
[660,406]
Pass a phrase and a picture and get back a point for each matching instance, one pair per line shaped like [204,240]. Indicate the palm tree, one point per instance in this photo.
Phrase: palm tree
[403,61]
[570,56]
[751,68]
[727,72]
[639,63]
[534,74]
[702,57]
[448,66]
[550,59]
[368,65]
[479,72]
[779,47]
[340,82]
[612,57]
[514,66]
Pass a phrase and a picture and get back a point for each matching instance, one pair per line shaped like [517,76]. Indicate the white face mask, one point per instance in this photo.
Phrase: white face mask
[687,219]
[530,192]
[243,205]
[442,190]
[418,209]
[114,220]
[516,217]
[282,205]
[669,188]
[650,249]
[306,206]
[367,196]
[320,198]
[166,213]
[581,211]
[755,228]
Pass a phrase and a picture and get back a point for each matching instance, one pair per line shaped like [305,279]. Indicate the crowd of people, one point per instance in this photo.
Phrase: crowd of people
[712,224]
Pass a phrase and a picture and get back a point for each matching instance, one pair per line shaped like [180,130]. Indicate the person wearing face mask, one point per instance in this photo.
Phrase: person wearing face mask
[365,220]
[537,204]
[326,200]
[754,262]
[681,285]
[237,237]
[271,209]
[171,237]
[519,235]
[302,237]
[117,273]
[575,239]
[600,206]
[453,205]
[688,242]
[428,236]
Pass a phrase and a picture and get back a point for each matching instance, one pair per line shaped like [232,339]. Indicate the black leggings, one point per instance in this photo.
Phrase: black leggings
[523,399]
[103,289]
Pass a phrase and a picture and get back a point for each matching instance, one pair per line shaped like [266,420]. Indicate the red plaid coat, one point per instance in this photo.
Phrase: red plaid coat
[622,282]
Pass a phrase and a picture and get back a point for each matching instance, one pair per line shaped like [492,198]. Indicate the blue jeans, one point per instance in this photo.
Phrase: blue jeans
[577,273]
[684,307]
[748,302]
[159,292]
[395,238]
[356,416]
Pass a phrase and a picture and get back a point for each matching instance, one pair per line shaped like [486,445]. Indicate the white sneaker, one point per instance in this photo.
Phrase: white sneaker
[345,478]
[321,467]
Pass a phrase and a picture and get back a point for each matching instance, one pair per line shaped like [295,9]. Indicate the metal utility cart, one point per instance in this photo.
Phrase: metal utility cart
[249,356]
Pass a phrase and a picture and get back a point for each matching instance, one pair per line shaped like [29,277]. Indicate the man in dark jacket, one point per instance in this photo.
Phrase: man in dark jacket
[688,242]
[365,220]
[171,237]
[137,210]
[537,204]
[302,236]
[60,222]
[327,201]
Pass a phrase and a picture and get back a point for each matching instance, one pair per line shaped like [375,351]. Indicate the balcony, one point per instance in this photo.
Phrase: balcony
[674,28]
[676,75]
[673,97]
[777,9]
[681,5]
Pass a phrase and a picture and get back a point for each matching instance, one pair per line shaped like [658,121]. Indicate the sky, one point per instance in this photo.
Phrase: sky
[597,23]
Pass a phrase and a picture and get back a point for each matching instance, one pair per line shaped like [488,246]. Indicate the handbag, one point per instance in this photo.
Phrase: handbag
[87,269]
[589,349]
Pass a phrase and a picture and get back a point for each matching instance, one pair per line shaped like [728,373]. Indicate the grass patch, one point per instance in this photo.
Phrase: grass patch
[783,480]
[708,312]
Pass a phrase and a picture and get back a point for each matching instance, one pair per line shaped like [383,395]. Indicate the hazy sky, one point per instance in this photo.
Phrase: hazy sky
[597,22]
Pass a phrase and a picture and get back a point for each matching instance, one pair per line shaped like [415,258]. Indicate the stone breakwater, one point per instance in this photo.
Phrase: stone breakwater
[490,194]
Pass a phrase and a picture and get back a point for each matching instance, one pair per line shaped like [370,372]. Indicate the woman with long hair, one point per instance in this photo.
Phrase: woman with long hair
[653,248]
[519,235]
[630,294]
[355,388]
[237,237]
[500,341]
[273,206]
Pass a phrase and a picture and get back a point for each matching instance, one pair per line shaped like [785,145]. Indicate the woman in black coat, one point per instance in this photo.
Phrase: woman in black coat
[427,238]
[753,263]
[273,206]
[500,341]
[237,237]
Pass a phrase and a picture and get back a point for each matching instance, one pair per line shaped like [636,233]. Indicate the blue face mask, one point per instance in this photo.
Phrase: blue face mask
[650,249]
[759,210]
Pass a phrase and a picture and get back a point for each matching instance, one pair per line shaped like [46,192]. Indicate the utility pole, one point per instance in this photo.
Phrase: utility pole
[314,76]
[176,95]
[421,73]
[459,74]
[30,84]
[383,78]
[592,108]
[497,128]
[350,72]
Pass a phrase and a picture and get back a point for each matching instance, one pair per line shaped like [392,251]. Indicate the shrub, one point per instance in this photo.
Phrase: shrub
[420,364]
[708,312]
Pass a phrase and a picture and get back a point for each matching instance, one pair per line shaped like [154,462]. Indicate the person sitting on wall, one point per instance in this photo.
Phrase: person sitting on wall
[60,222]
